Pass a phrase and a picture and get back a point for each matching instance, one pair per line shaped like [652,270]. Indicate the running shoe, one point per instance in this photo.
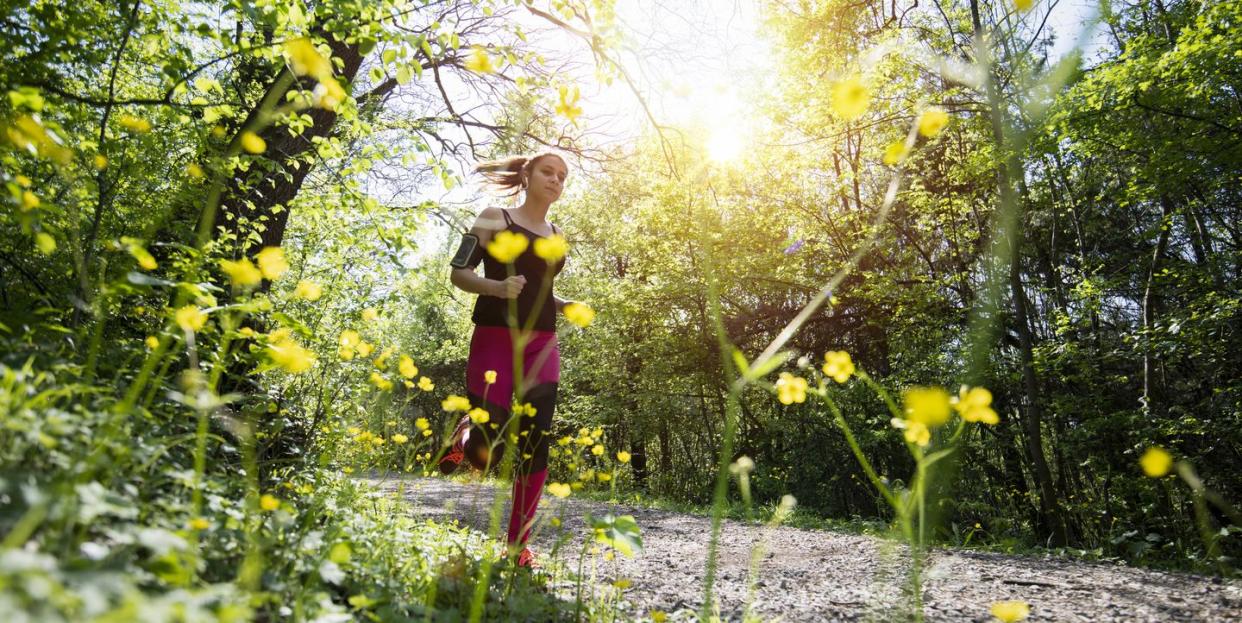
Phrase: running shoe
[526,559]
[457,452]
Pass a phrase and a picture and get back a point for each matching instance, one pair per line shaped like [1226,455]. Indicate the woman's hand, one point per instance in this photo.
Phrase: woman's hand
[510,288]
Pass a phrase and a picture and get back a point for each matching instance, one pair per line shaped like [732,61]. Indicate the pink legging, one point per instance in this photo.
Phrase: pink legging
[492,349]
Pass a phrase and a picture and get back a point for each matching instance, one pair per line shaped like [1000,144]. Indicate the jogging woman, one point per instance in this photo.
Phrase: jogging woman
[515,314]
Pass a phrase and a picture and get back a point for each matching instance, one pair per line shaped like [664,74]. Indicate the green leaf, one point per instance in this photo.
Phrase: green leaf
[620,533]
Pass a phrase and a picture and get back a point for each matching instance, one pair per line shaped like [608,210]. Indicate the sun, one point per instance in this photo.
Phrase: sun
[725,144]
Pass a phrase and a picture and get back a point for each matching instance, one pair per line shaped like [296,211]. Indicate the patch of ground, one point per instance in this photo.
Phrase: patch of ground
[810,575]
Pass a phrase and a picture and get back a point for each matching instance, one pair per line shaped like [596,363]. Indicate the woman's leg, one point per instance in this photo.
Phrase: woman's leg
[532,471]
[541,360]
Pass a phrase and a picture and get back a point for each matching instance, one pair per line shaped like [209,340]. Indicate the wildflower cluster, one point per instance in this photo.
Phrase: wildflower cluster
[585,462]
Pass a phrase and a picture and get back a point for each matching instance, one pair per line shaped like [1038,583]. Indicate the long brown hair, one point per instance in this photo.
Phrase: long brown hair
[508,175]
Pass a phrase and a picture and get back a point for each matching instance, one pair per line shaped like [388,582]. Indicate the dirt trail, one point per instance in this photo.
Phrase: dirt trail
[809,575]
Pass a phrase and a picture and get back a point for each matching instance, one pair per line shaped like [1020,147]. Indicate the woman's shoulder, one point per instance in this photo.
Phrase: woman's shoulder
[492,218]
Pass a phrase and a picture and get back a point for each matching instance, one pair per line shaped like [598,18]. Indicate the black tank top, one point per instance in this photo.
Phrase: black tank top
[536,296]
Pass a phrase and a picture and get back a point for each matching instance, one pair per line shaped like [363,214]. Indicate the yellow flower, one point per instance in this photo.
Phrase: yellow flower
[152,342]
[370,315]
[915,432]
[1023,5]
[381,362]
[895,152]
[604,477]
[658,616]
[269,502]
[253,143]
[584,441]
[198,523]
[190,318]
[101,162]
[195,171]
[242,273]
[932,121]
[425,384]
[598,432]
[975,405]
[288,354]
[23,181]
[330,93]
[365,348]
[305,59]
[838,366]
[427,433]
[45,242]
[30,201]
[134,124]
[1011,611]
[552,248]
[564,441]
[406,367]
[349,342]
[506,246]
[380,382]
[1156,462]
[422,423]
[489,377]
[272,262]
[479,62]
[479,416]
[579,313]
[598,450]
[308,290]
[568,105]
[587,476]
[850,98]
[790,389]
[927,405]
[559,489]
[144,258]
[399,439]
[455,403]
[623,456]
[576,486]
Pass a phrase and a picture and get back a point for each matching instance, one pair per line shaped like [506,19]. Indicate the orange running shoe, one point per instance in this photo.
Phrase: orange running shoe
[457,452]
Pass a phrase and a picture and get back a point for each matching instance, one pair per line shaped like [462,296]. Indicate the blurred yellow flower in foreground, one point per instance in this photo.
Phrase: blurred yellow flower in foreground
[915,432]
[1156,462]
[838,366]
[253,143]
[308,290]
[242,273]
[198,523]
[580,314]
[406,367]
[272,262]
[479,62]
[551,248]
[506,246]
[790,389]
[559,489]
[455,403]
[568,105]
[425,384]
[895,153]
[850,98]
[288,354]
[190,318]
[975,405]
[927,405]
[1011,611]
[489,377]
[479,416]
[932,121]
[134,124]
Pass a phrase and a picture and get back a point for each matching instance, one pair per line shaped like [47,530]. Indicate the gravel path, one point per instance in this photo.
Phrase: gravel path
[810,575]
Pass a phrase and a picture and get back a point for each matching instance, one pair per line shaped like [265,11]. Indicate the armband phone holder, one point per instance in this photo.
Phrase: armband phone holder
[465,256]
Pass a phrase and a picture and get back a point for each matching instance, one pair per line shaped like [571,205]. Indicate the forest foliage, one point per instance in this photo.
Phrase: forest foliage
[218,299]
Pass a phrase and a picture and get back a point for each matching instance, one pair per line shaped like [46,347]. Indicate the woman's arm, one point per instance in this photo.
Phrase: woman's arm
[489,222]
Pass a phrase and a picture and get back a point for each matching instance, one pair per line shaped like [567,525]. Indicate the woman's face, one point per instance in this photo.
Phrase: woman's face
[546,179]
